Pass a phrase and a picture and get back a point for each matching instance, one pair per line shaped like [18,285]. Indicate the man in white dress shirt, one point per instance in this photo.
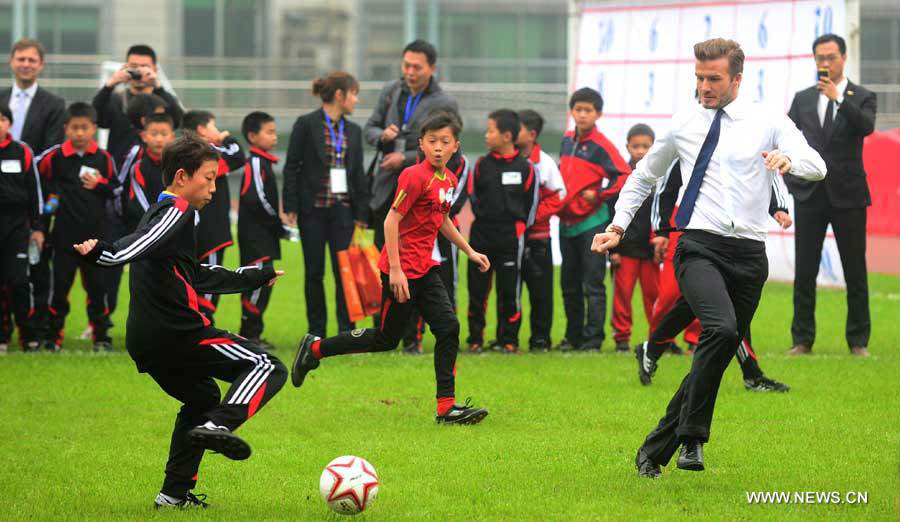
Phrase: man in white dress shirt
[729,150]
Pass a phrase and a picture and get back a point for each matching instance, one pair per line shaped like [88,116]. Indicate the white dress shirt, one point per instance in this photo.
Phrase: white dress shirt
[823,101]
[735,193]
[19,102]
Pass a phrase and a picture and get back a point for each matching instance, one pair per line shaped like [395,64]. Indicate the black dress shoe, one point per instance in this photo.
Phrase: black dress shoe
[646,468]
[691,456]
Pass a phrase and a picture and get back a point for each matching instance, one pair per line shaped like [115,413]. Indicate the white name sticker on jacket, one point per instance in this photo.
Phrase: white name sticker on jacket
[85,171]
[11,166]
[511,178]
[338,180]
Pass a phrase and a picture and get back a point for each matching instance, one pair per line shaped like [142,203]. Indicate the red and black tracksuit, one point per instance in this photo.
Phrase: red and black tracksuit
[503,191]
[214,228]
[636,263]
[259,234]
[20,213]
[144,184]
[81,216]
[169,338]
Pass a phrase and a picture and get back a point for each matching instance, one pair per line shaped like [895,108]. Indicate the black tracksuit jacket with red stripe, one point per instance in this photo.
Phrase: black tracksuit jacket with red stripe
[214,230]
[20,188]
[259,226]
[164,280]
[145,182]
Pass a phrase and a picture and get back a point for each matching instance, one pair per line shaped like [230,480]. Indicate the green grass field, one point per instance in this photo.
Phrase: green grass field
[85,436]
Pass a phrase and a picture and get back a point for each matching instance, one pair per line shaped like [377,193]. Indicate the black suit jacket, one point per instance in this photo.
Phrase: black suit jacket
[845,181]
[305,167]
[44,120]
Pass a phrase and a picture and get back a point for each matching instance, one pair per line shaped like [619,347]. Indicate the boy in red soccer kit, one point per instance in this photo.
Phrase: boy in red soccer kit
[410,276]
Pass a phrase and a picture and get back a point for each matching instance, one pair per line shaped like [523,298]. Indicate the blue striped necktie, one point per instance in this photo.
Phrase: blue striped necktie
[686,208]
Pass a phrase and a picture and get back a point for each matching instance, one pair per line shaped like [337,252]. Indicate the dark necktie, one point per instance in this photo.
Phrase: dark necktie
[686,208]
[829,116]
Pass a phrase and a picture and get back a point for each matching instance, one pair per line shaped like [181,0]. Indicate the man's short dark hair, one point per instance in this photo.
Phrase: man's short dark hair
[6,113]
[423,47]
[141,106]
[532,121]
[141,50]
[441,120]
[830,37]
[80,110]
[506,120]
[159,117]
[193,119]
[586,94]
[187,152]
[640,129]
[253,122]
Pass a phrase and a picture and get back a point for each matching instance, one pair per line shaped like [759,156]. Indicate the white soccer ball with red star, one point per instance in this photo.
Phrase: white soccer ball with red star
[348,484]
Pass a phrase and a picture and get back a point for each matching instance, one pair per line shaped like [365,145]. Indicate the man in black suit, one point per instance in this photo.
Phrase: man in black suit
[37,121]
[835,116]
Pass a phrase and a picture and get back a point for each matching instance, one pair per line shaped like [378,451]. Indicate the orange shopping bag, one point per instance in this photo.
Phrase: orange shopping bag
[366,274]
[348,282]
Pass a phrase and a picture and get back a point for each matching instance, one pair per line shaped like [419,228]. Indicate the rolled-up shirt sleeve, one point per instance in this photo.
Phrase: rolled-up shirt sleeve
[644,177]
[806,163]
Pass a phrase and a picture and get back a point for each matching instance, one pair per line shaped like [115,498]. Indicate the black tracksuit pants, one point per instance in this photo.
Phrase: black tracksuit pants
[582,278]
[253,306]
[678,318]
[93,277]
[332,226]
[537,272]
[429,297]
[504,249]
[722,280]
[14,237]
[449,272]
[255,377]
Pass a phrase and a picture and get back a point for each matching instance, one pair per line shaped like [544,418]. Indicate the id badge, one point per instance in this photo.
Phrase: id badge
[338,178]
[511,178]
[13,166]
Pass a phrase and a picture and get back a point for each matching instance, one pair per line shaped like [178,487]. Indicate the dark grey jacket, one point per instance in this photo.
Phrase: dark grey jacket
[387,112]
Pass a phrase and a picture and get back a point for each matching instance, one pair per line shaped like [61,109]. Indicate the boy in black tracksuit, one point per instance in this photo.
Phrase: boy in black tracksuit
[84,178]
[259,228]
[144,182]
[214,229]
[504,195]
[170,339]
[20,216]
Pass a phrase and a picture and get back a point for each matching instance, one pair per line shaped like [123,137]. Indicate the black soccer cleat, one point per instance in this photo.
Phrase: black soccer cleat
[645,466]
[190,501]
[646,364]
[765,384]
[622,347]
[464,414]
[304,361]
[219,439]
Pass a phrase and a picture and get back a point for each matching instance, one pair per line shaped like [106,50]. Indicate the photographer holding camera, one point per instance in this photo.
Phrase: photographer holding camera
[139,73]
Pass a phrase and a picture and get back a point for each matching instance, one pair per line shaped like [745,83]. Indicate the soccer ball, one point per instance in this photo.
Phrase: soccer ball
[348,484]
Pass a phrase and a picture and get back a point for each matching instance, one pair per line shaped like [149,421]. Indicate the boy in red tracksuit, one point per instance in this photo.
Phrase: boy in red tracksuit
[410,277]
[20,223]
[214,228]
[259,227]
[84,178]
[593,172]
[634,259]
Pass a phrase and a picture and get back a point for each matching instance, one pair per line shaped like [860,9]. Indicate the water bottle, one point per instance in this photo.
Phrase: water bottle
[34,253]
[293,233]
[52,204]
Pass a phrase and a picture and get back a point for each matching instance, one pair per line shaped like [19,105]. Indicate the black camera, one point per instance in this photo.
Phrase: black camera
[822,73]
[135,74]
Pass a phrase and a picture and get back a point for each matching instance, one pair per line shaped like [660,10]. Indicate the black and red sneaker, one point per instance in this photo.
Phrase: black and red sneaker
[462,414]
[304,361]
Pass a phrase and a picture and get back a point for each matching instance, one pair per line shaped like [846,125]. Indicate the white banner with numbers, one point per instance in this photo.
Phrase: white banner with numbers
[641,59]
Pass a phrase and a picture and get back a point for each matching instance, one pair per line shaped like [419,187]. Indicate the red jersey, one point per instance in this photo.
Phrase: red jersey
[423,199]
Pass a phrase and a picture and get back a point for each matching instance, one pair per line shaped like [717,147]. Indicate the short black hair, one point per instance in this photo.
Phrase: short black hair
[141,106]
[159,117]
[141,50]
[507,121]
[441,120]
[187,152]
[6,113]
[532,121]
[80,110]
[423,47]
[253,122]
[640,129]
[193,119]
[830,37]
[586,94]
